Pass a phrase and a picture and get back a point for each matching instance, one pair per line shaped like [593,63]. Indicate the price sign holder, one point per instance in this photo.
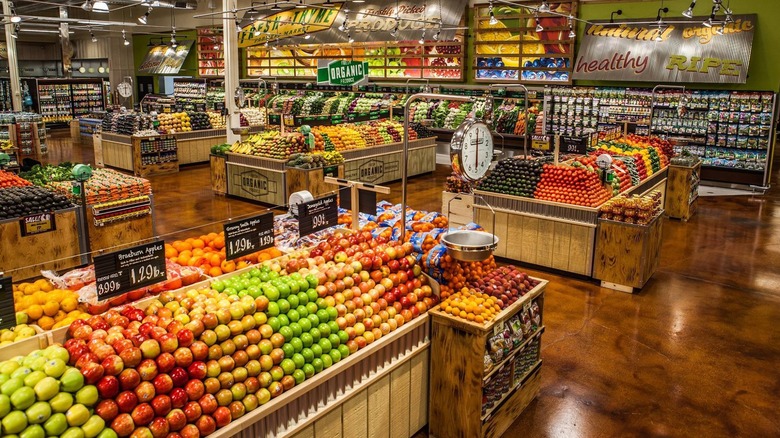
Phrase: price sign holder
[37,224]
[129,269]
[7,309]
[318,215]
[250,235]
[364,193]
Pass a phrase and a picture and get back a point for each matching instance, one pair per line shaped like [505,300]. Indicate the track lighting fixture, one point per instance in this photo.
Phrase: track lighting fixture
[14,18]
[394,32]
[612,15]
[257,31]
[545,7]
[436,35]
[301,5]
[174,43]
[658,17]
[493,20]
[658,37]
[422,38]
[145,17]
[87,6]
[721,29]
[688,13]
[572,34]
[100,7]
[276,7]
[708,21]
[17,28]
[306,34]
[539,27]
[350,39]
[94,39]
[124,38]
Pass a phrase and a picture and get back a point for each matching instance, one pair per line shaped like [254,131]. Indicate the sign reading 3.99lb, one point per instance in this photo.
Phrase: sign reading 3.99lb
[249,235]
[129,269]
[318,214]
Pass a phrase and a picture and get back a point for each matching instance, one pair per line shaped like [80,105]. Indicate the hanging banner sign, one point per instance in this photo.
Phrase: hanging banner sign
[677,51]
[342,72]
[165,60]
[322,24]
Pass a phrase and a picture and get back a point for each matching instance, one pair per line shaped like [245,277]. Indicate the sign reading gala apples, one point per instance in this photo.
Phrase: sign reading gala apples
[676,51]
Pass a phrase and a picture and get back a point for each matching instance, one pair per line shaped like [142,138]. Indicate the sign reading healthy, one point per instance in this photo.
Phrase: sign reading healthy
[676,51]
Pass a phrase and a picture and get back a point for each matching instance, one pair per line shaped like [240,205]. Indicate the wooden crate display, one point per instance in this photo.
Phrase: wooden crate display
[682,189]
[25,256]
[116,151]
[218,174]
[197,150]
[457,372]
[459,212]
[627,254]
[313,180]
[115,235]
[384,168]
[257,184]
[146,163]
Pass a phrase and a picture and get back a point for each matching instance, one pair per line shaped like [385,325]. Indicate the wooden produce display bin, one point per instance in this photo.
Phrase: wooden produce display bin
[115,235]
[458,207]
[155,155]
[114,150]
[458,376]
[24,257]
[195,146]
[682,191]
[218,174]
[627,254]
[313,180]
[383,164]
[257,178]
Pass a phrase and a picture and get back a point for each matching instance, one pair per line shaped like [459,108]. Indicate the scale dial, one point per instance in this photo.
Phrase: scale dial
[240,97]
[471,150]
[125,89]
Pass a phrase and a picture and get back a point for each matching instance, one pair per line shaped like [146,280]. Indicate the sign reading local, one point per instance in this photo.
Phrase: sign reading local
[129,269]
[677,51]
[249,235]
[342,72]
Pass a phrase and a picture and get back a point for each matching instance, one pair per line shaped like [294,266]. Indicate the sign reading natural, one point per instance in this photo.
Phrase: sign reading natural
[129,269]
[342,72]
[676,51]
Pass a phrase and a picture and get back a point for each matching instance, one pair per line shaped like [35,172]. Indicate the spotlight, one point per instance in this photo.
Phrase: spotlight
[87,6]
[720,30]
[493,20]
[276,7]
[708,21]
[688,13]
[539,27]
[17,28]
[94,39]
[545,7]
[658,37]
[100,7]
[256,32]
[300,5]
[436,35]
[572,33]
[145,17]
[306,34]
[422,38]
[350,39]
[14,18]
[394,32]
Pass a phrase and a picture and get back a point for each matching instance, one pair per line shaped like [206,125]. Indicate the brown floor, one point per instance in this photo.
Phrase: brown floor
[696,353]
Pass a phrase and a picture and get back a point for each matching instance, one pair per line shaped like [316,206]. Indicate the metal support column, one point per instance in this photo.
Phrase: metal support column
[13,61]
[230,44]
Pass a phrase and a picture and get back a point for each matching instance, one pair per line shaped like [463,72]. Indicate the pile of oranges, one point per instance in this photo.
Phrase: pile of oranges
[457,274]
[41,303]
[471,305]
[208,253]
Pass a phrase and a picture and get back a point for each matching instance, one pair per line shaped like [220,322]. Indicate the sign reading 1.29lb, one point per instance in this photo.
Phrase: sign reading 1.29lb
[7,311]
[318,215]
[249,235]
[129,269]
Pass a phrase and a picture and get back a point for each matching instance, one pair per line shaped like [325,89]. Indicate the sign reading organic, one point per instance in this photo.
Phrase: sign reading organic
[376,17]
[164,60]
[676,52]
[342,72]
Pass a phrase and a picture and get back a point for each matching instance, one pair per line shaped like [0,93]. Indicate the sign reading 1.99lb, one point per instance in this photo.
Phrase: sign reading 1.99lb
[7,310]
[249,235]
[318,214]
[129,269]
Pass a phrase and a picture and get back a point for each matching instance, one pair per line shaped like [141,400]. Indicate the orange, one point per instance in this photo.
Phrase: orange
[51,308]
[44,285]
[218,242]
[198,252]
[228,266]
[69,304]
[196,261]
[214,271]
[264,256]
[46,322]
[241,265]
[215,260]
[170,251]
[183,259]
[40,297]
[34,312]
[198,243]
[211,236]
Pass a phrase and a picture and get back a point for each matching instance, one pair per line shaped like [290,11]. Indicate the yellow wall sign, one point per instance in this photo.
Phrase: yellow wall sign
[288,23]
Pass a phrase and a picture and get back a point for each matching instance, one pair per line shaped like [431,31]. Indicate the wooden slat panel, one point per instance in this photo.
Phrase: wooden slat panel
[355,416]
[418,399]
[580,250]
[399,401]
[378,414]
[329,426]
[561,245]
[307,432]
[544,249]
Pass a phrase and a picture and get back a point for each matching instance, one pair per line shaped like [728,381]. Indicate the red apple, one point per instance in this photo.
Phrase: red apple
[126,401]
[168,343]
[163,384]
[131,356]
[142,415]
[179,377]
[150,349]
[206,425]
[190,431]
[200,350]
[166,362]
[178,397]
[145,392]
[129,379]
[208,403]
[148,369]
[222,416]
[183,357]
[159,427]
[192,411]
[123,425]
[108,387]
[107,410]
[92,373]
[197,370]
[176,419]
[161,405]
[195,389]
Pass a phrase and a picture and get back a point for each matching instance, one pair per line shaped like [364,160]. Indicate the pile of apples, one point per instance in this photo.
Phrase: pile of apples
[193,361]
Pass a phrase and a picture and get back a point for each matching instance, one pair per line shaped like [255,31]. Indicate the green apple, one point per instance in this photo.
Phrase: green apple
[33,431]
[47,388]
[54,367]
[23,397]
[22,318]
[21,372]
[93,426]
[61,402]
[4,378]
[8,366]
[38,363]
[33,378]
[38,413]
[107,433]
[71,380]
[28,360]
[73,432]
[5,405]
[56,352]
[56,424]
[87,395]
[14,422]
[77,415]
[24,332]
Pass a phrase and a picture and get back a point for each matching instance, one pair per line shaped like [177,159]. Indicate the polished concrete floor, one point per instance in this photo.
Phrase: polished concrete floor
[694,354]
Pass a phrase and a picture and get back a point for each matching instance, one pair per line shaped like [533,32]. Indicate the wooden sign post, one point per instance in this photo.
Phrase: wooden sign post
[355,187]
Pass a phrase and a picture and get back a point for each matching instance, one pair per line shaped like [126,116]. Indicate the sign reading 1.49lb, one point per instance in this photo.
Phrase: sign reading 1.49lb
[7,310]
[318,214]
[249,235]
[129,269]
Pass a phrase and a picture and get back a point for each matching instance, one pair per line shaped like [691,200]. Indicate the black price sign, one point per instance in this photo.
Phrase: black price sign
[574,145]
[7,310]
[249,235]
[318,215]
[129,269]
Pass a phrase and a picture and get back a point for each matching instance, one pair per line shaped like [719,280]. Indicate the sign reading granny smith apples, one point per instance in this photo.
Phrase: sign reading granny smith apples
[342,72]
[7,314]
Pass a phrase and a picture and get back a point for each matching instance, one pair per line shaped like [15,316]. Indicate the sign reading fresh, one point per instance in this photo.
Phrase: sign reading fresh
[342,72]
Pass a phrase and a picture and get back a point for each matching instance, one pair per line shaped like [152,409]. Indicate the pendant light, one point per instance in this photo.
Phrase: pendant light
[545,7]
[572,34]
[539,27]
[100,7]
[145,17]
[688,13]
[14,18]
[124,38]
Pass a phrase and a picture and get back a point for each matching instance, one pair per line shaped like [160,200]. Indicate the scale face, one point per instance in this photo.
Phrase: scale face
[471,150]
[125,89]
[240,97]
